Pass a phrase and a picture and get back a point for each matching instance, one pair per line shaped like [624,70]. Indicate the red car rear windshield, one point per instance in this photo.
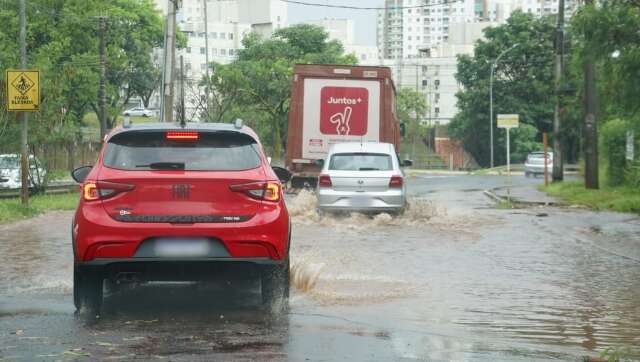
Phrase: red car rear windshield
[212,151]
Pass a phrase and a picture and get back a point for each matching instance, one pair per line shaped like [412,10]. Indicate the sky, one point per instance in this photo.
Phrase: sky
[364,20]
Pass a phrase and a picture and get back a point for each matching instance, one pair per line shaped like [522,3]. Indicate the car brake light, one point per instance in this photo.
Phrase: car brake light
[182,136]
[325,181]
[395,182]
[269,191]
[101,190]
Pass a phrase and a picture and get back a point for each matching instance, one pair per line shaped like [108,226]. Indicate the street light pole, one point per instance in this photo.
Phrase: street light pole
[493,66]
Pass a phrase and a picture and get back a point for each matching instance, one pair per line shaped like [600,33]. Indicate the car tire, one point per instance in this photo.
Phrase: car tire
[145,115]
[526,174]
[87,292]
[275,287]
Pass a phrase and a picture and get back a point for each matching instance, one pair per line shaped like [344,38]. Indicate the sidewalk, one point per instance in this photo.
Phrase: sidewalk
[527,194]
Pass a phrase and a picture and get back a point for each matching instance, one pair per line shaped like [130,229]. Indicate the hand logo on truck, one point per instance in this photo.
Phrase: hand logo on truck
[342,120]
[344,111]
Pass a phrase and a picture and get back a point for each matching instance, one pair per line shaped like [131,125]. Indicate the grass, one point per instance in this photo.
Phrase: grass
[621,199]
[12,210]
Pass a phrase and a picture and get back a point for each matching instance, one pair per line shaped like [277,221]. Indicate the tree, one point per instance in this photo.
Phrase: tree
[523,84]
[258,82]
[411,108]
[62,41]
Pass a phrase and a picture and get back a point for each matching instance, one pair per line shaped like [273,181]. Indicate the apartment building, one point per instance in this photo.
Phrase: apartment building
[420,39]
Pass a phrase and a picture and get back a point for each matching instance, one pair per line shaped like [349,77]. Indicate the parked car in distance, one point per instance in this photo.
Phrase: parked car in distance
[534,165]
[171,203]
[362,177]
[10,175]
[138,112]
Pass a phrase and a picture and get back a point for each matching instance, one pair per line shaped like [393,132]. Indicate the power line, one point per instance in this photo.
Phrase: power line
[369,8]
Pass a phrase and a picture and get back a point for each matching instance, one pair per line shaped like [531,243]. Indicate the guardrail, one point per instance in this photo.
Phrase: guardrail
[51,189]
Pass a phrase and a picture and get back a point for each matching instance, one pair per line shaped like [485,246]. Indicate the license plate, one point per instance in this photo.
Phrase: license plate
[182,248]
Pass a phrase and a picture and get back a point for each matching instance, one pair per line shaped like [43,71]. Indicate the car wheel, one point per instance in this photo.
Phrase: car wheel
[145,115]
[275,287]
[87,292]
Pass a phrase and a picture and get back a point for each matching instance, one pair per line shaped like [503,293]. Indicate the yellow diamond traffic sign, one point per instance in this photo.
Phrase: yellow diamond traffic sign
[23,90]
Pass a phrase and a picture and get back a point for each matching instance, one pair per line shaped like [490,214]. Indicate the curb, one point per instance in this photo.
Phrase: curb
[514,200]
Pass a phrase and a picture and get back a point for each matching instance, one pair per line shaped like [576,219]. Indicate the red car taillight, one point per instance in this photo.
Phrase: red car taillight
[92,191]
[269,191]
[395,182]
[324,181]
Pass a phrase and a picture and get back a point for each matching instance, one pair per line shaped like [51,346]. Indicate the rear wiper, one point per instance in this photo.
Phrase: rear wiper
[368,169]
[164,166]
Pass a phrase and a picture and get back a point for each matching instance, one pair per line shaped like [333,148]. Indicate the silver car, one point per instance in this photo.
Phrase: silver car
[10,172]
[138,112]
[534,165]
[362,177]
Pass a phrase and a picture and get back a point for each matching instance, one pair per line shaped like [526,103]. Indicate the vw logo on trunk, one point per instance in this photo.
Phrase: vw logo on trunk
[180,192]
[360,182]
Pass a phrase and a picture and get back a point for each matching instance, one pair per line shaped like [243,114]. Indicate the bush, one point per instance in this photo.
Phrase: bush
[613,140]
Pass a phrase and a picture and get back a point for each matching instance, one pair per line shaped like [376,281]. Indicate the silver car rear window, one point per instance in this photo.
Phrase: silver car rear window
[360,162]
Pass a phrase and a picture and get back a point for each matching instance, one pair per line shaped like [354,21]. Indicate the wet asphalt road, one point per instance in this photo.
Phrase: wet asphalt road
[453,279]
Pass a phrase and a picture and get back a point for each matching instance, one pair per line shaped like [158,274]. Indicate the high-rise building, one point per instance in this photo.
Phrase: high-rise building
[420,39]
[406,28]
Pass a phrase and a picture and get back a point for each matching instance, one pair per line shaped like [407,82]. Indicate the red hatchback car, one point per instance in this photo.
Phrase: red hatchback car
[171,203]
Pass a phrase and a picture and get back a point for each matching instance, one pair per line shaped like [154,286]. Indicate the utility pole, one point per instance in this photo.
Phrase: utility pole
[102,96]
[558,167]
[24,146]
[206,48]
[183,116]
[169,62]
[590,122]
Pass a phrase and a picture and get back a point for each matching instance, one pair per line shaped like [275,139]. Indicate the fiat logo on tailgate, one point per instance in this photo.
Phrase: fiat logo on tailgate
[180,192]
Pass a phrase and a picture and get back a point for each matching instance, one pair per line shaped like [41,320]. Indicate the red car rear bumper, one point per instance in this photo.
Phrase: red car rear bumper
[98,237]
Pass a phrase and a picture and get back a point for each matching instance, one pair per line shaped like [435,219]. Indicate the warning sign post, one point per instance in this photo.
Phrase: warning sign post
[23,90]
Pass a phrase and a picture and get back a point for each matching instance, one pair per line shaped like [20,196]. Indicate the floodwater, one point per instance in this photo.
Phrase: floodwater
[452,279]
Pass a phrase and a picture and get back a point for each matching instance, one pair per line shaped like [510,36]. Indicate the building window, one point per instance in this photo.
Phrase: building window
[230,36]
[437,110]
[203,66]
[200,35]
[223,35]
[231,52]
[223,52]
[187,66]
[214,52]
[188,50]
[203,51]
[214,35]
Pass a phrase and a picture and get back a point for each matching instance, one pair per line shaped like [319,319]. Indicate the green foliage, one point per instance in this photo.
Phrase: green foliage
[411,107]
[63,39]
[523,84]
[257,86]
[523,142]
[613,139]
[12,209]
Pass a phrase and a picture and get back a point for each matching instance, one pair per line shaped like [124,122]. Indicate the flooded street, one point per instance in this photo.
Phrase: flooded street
[452,279]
